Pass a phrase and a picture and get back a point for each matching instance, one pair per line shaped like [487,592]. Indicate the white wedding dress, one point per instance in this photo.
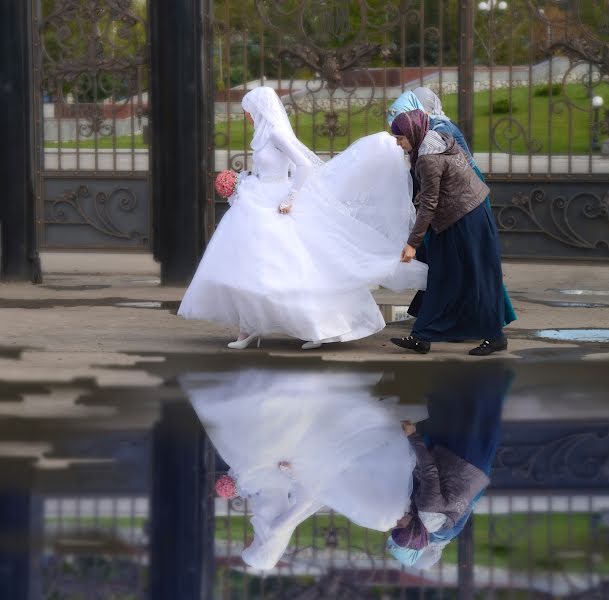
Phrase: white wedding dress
[307,274]
[345,448]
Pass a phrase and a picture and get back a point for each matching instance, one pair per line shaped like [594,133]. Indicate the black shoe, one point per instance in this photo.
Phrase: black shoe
[411,343]
[488,347]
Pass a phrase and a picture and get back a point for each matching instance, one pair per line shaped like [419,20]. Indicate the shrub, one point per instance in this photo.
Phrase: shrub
[544,90]
[503,106]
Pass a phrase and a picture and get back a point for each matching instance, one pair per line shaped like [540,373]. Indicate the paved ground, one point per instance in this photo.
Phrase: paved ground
[96,308]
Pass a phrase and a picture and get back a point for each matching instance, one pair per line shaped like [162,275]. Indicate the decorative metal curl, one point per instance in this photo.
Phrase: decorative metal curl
[70,209]
[552,216]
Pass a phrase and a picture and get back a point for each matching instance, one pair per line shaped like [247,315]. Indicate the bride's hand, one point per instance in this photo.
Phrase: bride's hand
[408,253]
[285,207]
[409,428]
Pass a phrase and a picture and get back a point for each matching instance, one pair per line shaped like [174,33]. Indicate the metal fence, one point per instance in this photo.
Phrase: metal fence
[524,545]
[91,105]
[525,78]
[93,548]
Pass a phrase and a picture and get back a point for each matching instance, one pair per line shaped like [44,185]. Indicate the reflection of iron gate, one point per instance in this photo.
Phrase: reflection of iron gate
[537,532]
[519,76]
[91,77]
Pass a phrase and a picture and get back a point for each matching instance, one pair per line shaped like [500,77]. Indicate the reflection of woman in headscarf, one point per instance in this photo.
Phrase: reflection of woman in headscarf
[426,99]
[464,298]
[455,448]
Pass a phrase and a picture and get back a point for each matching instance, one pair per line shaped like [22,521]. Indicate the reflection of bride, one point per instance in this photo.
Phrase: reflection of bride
[297,441]
[306,273]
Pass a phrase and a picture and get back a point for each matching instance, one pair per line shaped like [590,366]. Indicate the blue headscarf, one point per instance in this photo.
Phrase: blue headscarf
[405,103]
[406,556]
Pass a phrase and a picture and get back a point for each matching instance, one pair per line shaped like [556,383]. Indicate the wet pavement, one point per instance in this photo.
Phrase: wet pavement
[117,418]
[110,487]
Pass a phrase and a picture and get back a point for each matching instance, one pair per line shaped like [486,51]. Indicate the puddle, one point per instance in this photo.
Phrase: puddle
[140,304]
[75,288]
[92,499]
[581,292]
[48,303]
[574,335]
[561,303]
[395,313]
[153,281]
[171,305]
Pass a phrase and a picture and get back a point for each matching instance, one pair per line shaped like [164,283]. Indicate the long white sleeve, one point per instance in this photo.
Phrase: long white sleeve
[304,166]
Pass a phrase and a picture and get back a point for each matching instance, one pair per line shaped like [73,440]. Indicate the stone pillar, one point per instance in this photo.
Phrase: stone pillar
[18,258]
[181,134]
[15,528]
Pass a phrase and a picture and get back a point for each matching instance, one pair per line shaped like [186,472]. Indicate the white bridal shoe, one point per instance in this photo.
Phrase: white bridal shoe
[244,343]
[311,345]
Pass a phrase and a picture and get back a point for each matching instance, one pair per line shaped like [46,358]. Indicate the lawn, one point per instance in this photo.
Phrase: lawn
[561,130]
[124,142]
[519,542]
[545,126]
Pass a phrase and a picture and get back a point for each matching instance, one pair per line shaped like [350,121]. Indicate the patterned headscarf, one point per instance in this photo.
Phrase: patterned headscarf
[413,536]
[408,544]
[414,126]
[406,102]
[431,103]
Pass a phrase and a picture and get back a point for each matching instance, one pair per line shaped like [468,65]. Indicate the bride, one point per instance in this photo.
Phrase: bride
[296,255]
[297,441]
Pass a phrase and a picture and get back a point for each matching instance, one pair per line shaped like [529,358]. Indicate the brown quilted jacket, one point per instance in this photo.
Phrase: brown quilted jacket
[450,189]
[447,483]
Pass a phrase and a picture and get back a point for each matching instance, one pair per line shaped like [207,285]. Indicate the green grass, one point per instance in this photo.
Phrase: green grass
[553,125]
[548,126]
[124,142]
[519,542]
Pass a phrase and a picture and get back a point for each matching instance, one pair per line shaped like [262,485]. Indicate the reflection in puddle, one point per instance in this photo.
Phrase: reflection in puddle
[139,304]
[324,471]
[574,335]
[582,292]
[167,305]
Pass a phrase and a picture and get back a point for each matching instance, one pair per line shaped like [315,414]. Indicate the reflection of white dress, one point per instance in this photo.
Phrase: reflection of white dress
[307,274]
[345,447]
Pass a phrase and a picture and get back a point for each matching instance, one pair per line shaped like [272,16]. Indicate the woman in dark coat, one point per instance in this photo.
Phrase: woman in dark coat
[426,100]
[464,297]
[438,121]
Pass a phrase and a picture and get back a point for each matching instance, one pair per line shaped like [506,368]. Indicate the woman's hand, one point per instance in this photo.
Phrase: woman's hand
[408,254]
[285,207]
[408,427]
[404,521]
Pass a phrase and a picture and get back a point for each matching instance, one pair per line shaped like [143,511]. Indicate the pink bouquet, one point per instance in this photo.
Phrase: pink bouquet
[226,183]
[225,487]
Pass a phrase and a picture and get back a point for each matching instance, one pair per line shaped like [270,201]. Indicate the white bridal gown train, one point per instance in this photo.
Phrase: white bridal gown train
[345,448]
[307,274]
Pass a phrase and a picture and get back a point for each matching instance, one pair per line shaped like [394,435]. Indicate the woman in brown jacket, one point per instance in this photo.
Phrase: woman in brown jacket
[464,297]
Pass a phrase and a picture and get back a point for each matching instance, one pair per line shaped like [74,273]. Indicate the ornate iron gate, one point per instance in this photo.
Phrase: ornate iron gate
[91,81]
[523,76]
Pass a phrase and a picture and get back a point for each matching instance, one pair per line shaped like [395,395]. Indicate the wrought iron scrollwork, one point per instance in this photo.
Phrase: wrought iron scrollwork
[93,50]
[561,218]
[80,207]
[331,38]
[566,458]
